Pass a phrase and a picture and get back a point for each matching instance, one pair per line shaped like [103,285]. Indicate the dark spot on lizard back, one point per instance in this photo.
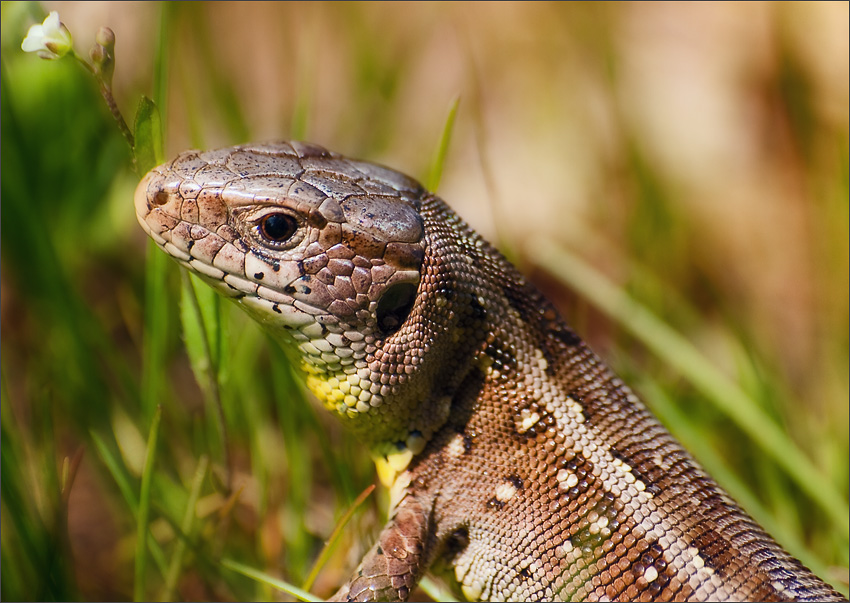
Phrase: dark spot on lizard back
[643,468]
[495,503]
[478,310]
[716,551]
[503,360]
[518,298]
[551,334]
[515,481]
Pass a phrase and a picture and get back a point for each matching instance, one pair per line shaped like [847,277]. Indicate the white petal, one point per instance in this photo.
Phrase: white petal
[52,24]
[34,40]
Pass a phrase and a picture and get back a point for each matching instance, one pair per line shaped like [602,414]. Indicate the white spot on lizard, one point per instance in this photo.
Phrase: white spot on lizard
[455,447]
[529,419]
[505,491]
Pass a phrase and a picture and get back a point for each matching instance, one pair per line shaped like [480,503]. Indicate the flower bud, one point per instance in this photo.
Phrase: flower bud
[106,38]
[102,54]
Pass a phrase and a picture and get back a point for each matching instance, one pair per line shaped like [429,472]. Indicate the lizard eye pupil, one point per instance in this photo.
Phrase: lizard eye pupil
[278,228]
[394,307]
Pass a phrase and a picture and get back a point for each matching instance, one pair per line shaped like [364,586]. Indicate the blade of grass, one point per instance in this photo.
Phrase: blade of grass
[186,528]
[148,153]
[299,433]
[334,537]
[291,397]
[144,509]
[679,353]
[160,65]
[264,578]
[435,173]
[25,535]
[155,334]
[201,317]
[114,468]
[147,128]
[436,590]
[123,482]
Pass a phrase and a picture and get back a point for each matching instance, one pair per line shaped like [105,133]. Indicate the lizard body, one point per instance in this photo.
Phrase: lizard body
[515,458]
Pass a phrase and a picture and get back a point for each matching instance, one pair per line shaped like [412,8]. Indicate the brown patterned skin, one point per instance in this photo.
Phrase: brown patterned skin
[517,461]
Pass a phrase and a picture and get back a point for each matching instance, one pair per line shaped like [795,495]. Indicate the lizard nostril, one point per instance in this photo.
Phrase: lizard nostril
[159,198]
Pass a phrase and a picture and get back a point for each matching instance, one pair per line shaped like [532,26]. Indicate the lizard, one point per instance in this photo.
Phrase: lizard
[516,460]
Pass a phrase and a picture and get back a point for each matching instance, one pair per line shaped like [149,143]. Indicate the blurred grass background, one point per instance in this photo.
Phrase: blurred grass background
[695,154]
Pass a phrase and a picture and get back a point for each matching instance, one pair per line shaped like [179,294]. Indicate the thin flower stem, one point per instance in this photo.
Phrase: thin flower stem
[106,92]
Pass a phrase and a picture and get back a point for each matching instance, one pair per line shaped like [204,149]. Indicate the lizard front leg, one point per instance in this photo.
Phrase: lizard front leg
[393,566]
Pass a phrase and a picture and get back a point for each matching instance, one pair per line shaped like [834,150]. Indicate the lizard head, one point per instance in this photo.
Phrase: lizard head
[327,253]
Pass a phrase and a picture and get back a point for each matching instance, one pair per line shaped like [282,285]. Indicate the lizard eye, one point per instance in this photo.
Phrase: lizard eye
[394,307]
[278,228]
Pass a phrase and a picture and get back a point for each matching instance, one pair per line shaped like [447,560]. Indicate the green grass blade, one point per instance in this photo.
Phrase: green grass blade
[186,528]
[147,129]
[115,470]
[144,510]
[435,173]
[334,537]
[157,322]
[436,590]
[122,480]
[160,66]
[679,353]
[264,578]
[34,540]
[202,319]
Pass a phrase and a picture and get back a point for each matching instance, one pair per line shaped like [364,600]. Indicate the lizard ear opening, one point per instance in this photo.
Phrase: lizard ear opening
[394,307]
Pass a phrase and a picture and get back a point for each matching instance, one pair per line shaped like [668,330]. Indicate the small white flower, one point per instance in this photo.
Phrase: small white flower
[51,39]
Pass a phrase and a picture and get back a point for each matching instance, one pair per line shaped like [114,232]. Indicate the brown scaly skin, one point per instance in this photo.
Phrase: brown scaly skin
[516,459]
